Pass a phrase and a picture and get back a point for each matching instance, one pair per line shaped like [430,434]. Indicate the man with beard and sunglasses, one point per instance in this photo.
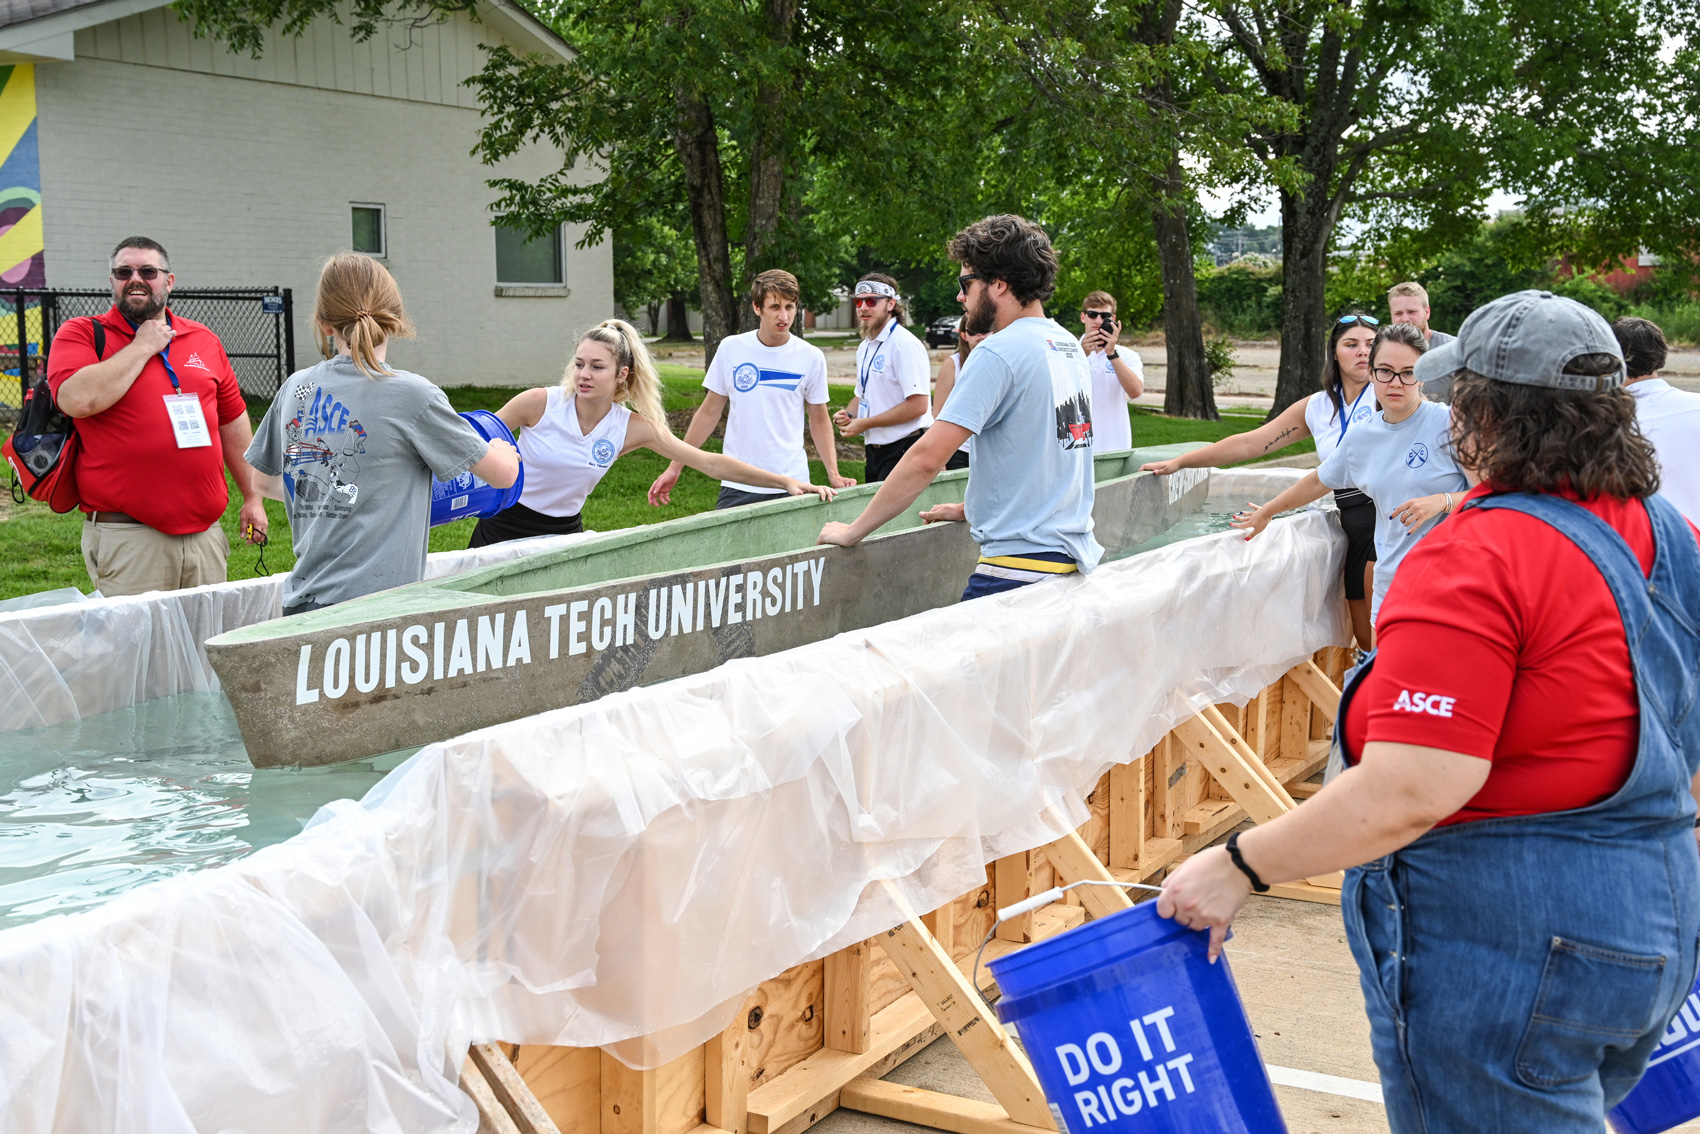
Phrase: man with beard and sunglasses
[1024,396]
[890,409]
[159,419]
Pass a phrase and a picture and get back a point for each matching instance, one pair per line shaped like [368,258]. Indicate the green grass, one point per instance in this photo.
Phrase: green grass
[42,551]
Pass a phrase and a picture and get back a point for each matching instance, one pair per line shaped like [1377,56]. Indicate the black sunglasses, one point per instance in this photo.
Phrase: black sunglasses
[964,280]
[149,273]
[1109,315]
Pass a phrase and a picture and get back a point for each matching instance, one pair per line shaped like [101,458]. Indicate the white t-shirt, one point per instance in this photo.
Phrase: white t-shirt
[1326,426]
[1670,419]
[562,462]
[768,388]
[891,367]
[1112,429]
[954,361]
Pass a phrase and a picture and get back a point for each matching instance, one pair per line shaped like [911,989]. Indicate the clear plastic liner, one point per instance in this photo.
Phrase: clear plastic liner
[621,873]
[77,659]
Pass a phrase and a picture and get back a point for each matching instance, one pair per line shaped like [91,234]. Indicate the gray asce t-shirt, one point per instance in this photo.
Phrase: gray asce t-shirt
[1440,389]
[1025,394]
[357,455]
[1392,464]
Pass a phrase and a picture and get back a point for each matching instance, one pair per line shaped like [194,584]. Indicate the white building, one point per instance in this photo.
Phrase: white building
[251,171]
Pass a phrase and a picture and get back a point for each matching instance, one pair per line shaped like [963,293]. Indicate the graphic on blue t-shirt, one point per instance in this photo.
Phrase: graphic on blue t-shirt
[1417,457]
[747,377]
[322,444]
[603,451]
[1073,402]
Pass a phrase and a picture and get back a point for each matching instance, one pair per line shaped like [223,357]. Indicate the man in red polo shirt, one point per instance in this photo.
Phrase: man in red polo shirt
[160,418]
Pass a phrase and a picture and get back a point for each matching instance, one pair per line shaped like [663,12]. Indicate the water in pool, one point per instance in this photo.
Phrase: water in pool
[95,807]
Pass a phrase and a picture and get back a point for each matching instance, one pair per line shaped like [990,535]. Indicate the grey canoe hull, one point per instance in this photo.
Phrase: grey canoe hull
[429,662]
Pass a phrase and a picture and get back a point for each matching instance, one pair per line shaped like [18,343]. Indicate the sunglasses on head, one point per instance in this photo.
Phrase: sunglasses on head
[149,273]
[1366,320]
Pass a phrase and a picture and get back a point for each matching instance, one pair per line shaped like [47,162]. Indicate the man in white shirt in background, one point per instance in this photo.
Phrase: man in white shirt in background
[772,380]
[891,407]
[1118,374]
[1408,303]
[1669,418]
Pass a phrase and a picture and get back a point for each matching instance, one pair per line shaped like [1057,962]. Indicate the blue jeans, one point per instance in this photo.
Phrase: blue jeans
[1518,972]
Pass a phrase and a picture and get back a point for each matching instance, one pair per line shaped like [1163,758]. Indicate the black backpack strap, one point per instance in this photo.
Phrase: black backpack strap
[99,339]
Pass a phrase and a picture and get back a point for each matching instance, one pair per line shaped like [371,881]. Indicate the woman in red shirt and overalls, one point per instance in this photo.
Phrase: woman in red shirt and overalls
[1524,898]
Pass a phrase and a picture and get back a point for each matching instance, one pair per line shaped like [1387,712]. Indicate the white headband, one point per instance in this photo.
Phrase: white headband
[874,287]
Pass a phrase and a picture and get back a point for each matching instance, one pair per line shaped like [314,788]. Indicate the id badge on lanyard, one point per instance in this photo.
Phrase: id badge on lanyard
[188,423]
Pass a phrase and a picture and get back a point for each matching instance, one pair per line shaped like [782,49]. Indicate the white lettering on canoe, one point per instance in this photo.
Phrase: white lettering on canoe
[460,654]
[484,642]
[519,643]
[553,613]
[576,626]
[413,672]
[304,695]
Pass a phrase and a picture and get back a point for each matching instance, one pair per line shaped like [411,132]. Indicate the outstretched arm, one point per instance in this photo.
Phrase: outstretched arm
[907,481]
[1285,430]
[702,424]
[1306,490]
[641,434]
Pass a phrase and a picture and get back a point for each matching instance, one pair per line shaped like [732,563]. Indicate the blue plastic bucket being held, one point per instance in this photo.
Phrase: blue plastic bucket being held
[466,495]
[1130,1028]
[1669,1093]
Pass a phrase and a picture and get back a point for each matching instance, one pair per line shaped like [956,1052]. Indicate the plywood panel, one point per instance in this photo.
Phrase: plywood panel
[566,1080]
[679,1093]
[1096,831]
[973,913]
[792,1021]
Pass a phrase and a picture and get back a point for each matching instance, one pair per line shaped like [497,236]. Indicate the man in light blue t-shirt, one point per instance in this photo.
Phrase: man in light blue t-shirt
[1024,396]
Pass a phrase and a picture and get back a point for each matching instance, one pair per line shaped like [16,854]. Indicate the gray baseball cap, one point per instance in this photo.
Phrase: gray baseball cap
[1527,338]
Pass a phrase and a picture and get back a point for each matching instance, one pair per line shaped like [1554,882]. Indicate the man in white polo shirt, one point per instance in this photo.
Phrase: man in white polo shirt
[891,407]
[1118,374]
[1669,418]
[772,380]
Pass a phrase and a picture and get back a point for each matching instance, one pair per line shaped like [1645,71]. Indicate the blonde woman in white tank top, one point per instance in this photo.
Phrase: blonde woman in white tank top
[607,404]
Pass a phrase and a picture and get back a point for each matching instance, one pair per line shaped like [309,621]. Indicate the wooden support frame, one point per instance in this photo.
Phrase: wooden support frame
[823,1034]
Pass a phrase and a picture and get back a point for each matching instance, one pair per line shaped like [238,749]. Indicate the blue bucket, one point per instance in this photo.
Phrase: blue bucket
[466,495]
[1130,1028]
[1669,1093]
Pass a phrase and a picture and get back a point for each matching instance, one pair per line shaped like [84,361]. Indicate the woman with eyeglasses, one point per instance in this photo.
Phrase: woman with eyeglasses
[1344,402]
[1403,453]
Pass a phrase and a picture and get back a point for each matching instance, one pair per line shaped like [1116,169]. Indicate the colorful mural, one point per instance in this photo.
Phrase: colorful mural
[21,257]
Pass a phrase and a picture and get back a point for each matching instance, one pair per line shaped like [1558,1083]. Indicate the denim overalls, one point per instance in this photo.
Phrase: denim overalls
[1518,972]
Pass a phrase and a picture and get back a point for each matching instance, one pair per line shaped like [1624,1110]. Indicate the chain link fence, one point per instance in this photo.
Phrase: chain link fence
[256,326]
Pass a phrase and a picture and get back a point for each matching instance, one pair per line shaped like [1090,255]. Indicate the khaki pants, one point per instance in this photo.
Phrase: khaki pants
[128,559]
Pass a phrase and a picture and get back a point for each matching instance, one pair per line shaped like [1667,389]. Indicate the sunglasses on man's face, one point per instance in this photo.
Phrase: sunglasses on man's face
[966,280]
[148,273]
[1101,316]
[869,300]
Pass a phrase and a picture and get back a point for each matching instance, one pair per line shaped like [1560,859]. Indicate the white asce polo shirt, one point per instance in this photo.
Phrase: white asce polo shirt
[890,368]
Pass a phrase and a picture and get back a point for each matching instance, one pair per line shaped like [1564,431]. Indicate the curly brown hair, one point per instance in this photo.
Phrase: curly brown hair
[1534,439]
[1012,249]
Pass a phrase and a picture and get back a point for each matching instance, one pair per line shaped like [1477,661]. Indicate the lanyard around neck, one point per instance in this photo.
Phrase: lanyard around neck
[164,355]
[1346,414]
[867,371]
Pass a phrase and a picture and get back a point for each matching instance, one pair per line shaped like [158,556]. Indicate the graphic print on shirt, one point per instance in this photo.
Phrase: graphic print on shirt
[195,361]
[748,376]
[322,447]
[1417,457]
[603,452]
[1069,378]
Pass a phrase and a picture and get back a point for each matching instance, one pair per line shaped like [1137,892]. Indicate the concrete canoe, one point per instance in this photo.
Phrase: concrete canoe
[429,661]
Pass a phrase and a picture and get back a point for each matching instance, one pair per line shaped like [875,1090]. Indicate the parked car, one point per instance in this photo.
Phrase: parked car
[941,332]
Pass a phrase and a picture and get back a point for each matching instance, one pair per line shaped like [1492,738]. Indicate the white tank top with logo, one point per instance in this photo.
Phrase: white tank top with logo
[562,463]
[1325,424]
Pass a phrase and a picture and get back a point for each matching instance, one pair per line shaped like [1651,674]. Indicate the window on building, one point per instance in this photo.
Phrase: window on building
[522,259]
[369,234]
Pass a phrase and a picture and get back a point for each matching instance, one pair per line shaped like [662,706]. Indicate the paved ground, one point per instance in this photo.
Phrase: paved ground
[1252,384]
[1300,989]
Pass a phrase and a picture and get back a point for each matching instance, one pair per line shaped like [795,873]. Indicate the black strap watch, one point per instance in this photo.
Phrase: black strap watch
[1257,883]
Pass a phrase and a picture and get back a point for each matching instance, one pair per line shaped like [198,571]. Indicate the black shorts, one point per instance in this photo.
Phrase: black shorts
[958,460]
[883,458]
[1357,517]
[737,498]
[520,522]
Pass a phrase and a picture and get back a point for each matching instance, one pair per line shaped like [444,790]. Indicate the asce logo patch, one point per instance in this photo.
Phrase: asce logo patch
[1431,703]
[1417,457]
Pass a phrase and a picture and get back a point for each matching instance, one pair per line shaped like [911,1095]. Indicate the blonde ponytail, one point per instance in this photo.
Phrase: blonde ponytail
[358,299]
[641,388]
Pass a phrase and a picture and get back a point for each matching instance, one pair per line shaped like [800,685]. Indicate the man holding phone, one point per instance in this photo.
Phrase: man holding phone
[1118,375]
